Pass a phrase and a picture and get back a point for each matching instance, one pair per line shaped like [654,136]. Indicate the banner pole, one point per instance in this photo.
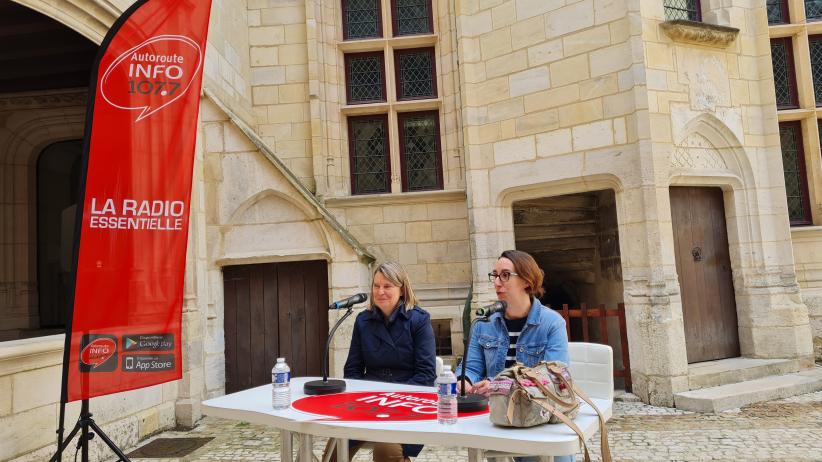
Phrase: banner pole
[84,436]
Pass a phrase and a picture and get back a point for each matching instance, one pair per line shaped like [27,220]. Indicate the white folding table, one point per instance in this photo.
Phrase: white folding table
[476,433]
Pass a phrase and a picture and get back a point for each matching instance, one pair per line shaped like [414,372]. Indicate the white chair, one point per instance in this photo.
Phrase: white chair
[592,368]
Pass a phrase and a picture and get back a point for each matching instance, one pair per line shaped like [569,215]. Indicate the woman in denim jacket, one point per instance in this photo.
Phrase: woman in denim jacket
[392,341]
[526,332]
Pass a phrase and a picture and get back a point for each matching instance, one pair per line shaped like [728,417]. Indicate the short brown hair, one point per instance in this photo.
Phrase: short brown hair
[397,275]
[527,269]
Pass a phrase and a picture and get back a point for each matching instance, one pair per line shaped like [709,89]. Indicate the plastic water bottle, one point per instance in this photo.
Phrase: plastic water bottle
[447,397]
[280,385]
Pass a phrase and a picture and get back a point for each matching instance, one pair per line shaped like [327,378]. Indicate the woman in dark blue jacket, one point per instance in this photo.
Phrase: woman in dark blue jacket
[393,341]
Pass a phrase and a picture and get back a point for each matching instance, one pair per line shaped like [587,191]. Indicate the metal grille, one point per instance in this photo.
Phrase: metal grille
[783,81]
[412,17]
[816,67]
[420,141]
[416,74]
[370,155]
[813,9]
[683,9]
[362,19]
[777,11]
[790,140]
[365,80]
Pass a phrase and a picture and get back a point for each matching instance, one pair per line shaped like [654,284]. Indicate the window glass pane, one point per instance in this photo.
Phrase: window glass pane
[412,17]
[420,148]
[791,142]
[369,158]
[416,72]
[816,67]
[782,73]
[362,19]
[683,9]
[777,11]
[813,9]
[365,82]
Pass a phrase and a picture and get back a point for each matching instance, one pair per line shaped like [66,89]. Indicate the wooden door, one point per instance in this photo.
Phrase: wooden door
[274,310]
[705,278]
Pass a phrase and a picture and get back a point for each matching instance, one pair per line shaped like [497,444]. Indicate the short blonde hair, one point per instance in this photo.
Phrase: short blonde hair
[396,275]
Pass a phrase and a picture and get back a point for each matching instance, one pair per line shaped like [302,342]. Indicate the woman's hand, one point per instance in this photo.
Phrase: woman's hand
[480,388]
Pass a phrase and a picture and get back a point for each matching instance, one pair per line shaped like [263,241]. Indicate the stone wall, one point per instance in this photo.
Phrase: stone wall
[807,250]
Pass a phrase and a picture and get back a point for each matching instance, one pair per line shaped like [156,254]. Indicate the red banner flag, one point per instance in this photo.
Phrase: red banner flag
[141,128]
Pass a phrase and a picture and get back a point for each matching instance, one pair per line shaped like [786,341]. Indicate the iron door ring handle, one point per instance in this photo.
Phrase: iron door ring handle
[696,252]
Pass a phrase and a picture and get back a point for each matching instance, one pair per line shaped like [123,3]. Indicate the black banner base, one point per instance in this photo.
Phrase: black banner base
[324,387]
[83,425]
[471,403]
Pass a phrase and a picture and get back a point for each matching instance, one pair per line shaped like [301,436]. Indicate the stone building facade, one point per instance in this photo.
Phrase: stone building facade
[439,133]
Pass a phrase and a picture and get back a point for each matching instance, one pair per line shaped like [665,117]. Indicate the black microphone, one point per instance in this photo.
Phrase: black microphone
[495,307]
[347,302]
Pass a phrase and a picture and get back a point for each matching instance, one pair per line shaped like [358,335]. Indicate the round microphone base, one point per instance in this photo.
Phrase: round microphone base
[471,403]
[324,387]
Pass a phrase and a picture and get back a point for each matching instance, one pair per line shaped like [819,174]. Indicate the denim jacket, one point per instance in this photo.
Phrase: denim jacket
[543,338]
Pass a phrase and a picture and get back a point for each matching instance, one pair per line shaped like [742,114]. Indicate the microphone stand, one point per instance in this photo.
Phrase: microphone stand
[470,402]
[325,386]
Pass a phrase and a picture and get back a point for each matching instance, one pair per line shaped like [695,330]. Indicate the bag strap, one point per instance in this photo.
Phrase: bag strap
[603,430]
[567,421]
[569,402]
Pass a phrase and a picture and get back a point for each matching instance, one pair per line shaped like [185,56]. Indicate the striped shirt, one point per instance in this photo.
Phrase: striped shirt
[514,327]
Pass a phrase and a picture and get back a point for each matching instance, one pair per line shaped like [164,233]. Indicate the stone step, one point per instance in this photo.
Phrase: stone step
[734,370]
[731,396]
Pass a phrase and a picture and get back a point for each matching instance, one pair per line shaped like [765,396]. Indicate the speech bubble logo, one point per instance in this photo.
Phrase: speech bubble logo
[152,75]
[98,351]
[373,406]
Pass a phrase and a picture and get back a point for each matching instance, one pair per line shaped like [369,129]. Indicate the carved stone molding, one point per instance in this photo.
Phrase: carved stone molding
[43,99]
[699,33]
[698,153]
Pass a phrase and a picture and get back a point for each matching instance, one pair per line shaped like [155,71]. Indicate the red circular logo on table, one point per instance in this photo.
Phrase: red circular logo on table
[374,406]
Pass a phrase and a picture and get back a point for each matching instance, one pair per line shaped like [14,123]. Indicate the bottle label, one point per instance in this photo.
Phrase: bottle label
[281,377]
[447,389]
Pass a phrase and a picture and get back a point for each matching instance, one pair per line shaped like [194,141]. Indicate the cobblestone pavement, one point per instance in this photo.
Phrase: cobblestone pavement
[783,430]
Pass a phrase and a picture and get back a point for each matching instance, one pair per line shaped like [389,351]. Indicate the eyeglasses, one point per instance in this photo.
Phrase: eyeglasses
[503,276]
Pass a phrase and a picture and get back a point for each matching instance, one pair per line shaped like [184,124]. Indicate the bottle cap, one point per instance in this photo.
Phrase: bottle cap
[280,360]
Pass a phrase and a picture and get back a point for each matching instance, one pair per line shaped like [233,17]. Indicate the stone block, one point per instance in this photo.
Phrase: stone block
[283,15]
[528,32]
[612,59]
[404,213]
[503,15]
[529,8]
[213,137]
[38,425]
[507,109]
[538,122]
[620,131]
[593,135]
[496,43]
[235,140]
[296,73]
[270,75]
[293,54]
[449,230]
[580,113]
[530,81]
[5,395]
[476,24]
[293,93]
[264,56]
[388,233]
[554,142]
[545,52]
[148,422]
[447,210]
[432,252]
[265,95]
[599,86]
[459,251]
[364,215]
[36,388]
[408,254]
[490,91]
[552,98]
[506,64]
[418,231]
[609,10]
[659,56]
[586,40]
[619,104]
[474,72]
[515,150]
[569,70]
[571,18]
[286,113]
[270,35]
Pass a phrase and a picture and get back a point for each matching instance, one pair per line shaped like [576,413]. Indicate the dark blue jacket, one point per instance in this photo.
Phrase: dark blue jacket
[400,351]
